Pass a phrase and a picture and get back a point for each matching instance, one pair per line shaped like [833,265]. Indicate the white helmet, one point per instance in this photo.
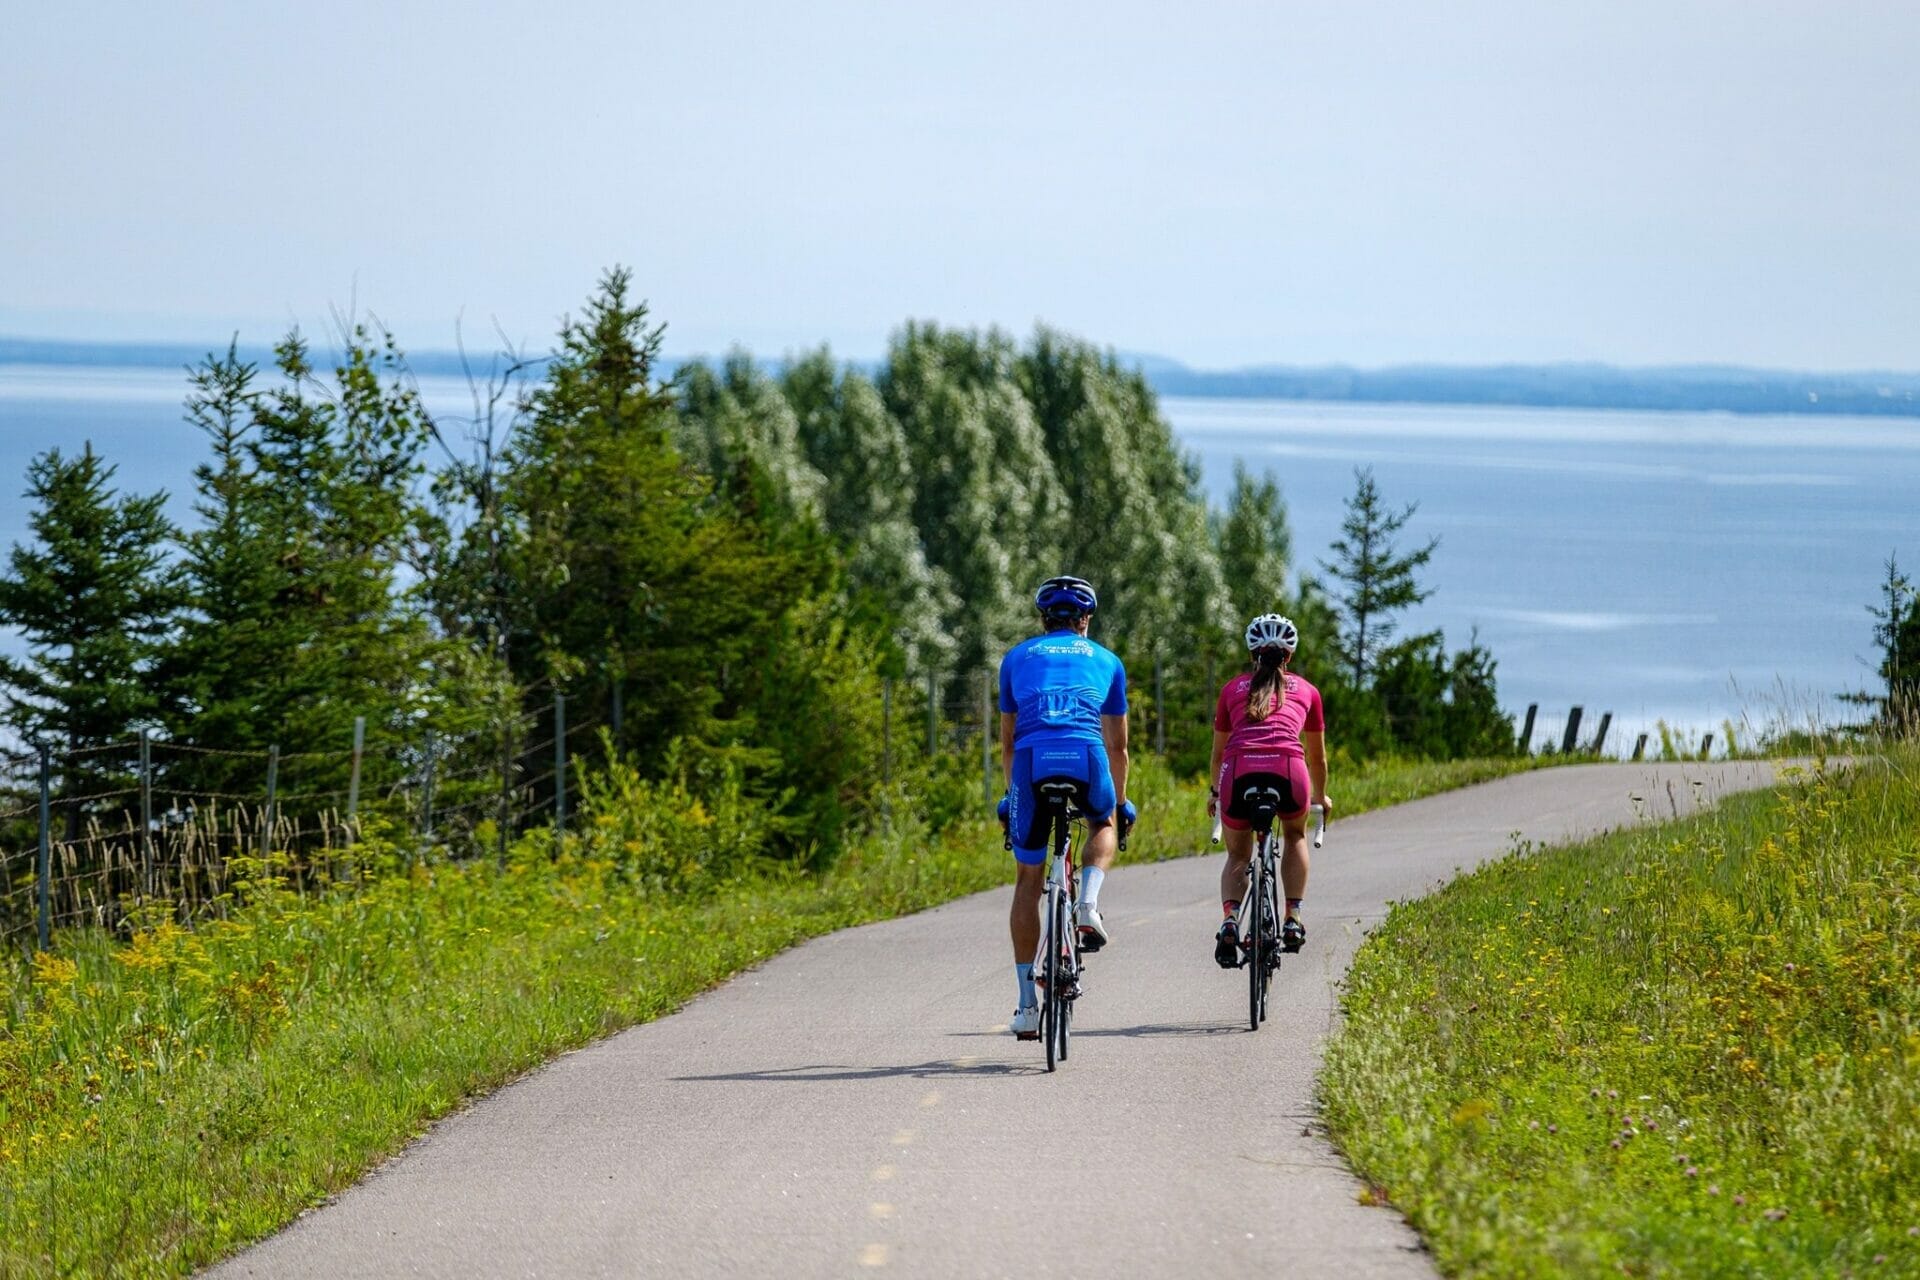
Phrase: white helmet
[1271,631]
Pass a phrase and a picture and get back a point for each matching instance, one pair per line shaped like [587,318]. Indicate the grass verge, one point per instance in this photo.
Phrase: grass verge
[168,1098]
[1691,1050]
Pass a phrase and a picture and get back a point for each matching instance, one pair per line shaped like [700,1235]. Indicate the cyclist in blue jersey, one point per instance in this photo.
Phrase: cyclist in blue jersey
[1063,716]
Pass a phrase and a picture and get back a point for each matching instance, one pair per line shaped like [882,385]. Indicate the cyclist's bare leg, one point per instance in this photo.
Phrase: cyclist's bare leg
[1233,876]
[1029,886]
[1293,857]
[1101,845]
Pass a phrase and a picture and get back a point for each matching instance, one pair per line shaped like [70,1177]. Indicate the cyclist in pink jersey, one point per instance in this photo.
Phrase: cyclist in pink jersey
[1269,729]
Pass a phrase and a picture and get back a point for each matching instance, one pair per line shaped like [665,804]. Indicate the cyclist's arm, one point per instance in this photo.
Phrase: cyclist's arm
[1315,745]
[1220,737]
[1113,730]
[1006,747]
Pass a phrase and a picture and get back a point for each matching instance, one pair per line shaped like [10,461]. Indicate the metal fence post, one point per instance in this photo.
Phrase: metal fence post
[933,713]
[1573,732]
[272,817]
[619,710]
[353,781]
[146,814]
[559,767]
[43,869]
[1526,730]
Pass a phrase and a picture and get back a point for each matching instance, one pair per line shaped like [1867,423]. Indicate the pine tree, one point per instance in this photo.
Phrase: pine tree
[92,597]
[1896,634]
[1378,581]
[298,621]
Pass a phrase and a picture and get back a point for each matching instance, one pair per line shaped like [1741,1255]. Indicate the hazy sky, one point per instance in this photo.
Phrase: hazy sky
[1225,184]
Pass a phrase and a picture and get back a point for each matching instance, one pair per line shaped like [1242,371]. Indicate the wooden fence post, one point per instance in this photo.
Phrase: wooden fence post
[271,818]
[504,818]
[353,779]
[426,815]
[1640,747]
[43,868]
[146,814]
[559,768]
[1600,736]
[1573,732]
[1526,730]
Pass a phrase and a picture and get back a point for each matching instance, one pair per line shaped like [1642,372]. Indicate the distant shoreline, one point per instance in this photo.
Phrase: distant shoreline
[1681,388]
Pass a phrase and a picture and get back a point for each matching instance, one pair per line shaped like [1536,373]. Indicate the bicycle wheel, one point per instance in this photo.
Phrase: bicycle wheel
[1256,944]
[1050,964]
[1270,954]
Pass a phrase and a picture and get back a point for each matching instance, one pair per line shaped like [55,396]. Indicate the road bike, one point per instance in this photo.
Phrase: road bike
[1059,963]
[1258,922]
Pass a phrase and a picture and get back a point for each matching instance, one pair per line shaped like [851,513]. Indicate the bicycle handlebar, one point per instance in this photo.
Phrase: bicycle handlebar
[1319,830]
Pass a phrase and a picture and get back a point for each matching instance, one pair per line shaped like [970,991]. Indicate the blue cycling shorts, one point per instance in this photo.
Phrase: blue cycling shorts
[1081,762]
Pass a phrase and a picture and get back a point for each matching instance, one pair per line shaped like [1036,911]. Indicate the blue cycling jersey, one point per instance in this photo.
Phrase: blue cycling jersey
[1058,685]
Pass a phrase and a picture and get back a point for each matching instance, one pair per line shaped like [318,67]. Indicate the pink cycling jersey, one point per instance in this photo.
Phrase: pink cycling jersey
[1300,712]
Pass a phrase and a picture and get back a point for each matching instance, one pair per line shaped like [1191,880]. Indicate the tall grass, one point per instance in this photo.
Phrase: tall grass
[167,1097]
[1692,1050]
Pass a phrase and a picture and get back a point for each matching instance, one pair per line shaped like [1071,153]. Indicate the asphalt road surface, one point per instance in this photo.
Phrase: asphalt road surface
[856,1107]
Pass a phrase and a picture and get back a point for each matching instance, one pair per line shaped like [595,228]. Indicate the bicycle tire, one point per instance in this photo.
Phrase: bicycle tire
[1271,956]
[1256,944]
[1050,1006]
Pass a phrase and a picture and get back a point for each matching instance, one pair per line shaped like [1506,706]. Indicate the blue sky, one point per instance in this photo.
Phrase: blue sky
[1225,184]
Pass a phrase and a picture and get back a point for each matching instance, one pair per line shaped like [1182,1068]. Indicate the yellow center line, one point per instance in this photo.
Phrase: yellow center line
[874,1255]
[932,1099]
[880,1209]
[903,1137]
[883,1174]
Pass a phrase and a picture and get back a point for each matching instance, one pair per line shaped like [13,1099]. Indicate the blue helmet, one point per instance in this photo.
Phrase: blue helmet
[1063,598]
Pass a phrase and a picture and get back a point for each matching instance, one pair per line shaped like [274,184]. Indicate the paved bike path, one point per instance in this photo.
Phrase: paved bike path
[855,1107]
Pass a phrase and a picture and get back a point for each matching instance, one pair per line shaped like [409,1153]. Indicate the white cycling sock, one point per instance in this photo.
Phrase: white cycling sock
[1023,973]
[1090,878]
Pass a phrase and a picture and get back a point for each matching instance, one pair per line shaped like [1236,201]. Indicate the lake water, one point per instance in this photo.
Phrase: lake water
[1696,567]
[1691,567]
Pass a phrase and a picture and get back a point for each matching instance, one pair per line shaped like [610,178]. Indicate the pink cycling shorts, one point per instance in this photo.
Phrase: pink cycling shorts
[1262,767]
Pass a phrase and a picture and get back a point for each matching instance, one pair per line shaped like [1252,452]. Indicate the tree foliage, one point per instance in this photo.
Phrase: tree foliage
[92,597]
[1376,579]
[718,569]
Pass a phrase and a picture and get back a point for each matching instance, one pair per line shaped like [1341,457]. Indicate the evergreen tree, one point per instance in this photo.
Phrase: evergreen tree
[298,622]
[1377,581]
[704,595]
[92,597]
[1896,634]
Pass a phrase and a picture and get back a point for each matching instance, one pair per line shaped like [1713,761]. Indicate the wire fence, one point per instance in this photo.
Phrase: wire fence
[150,827]
[89,837]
